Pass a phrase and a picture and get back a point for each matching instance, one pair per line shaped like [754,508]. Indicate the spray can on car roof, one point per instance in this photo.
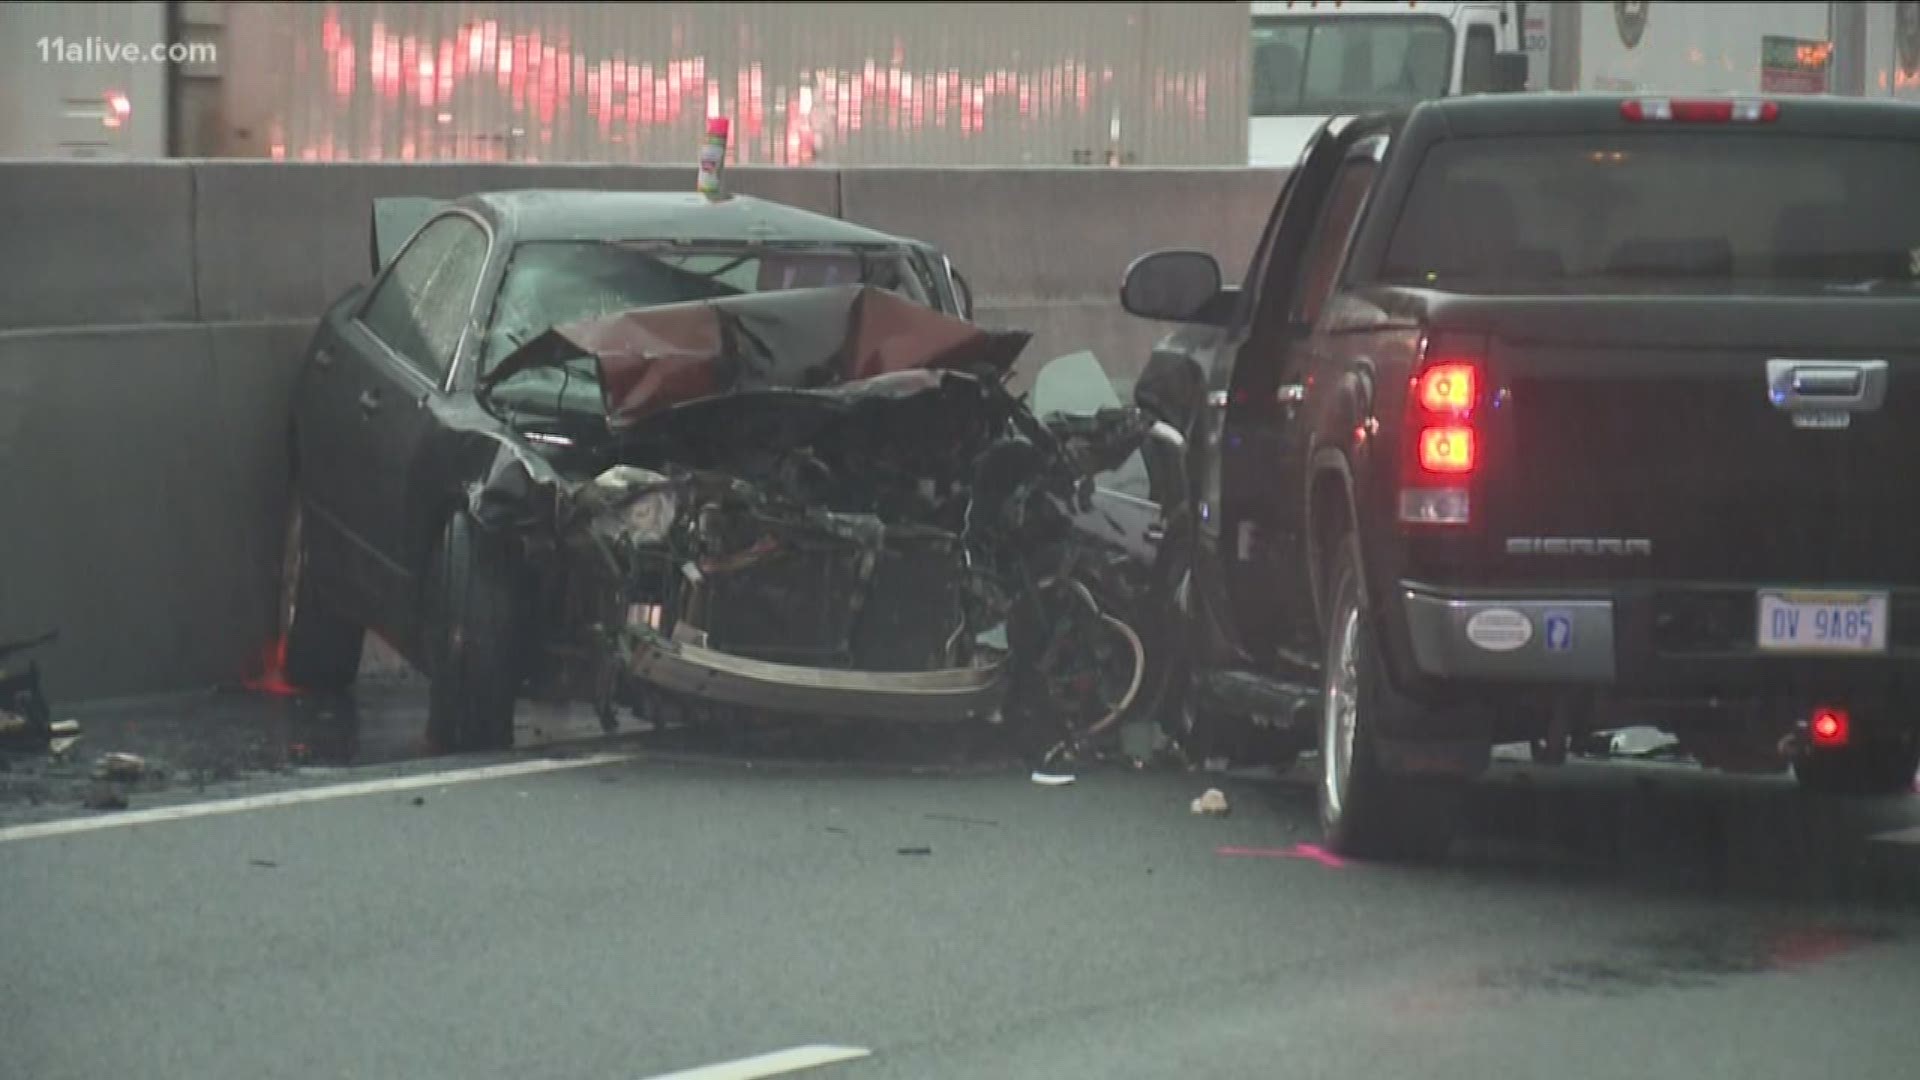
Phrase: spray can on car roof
[713,159]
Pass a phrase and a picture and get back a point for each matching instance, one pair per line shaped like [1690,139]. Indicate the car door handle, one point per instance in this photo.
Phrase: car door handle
[369,402]
[323,358]
[1156,532]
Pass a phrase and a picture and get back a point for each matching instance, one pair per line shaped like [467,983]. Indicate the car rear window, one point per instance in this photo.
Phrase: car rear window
[1661,212]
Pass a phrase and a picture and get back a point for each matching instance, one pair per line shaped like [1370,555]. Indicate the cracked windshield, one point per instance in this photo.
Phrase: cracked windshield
[997,540]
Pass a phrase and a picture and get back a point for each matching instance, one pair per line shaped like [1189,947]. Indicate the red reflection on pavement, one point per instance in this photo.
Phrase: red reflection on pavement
[272,678]
[1310,852]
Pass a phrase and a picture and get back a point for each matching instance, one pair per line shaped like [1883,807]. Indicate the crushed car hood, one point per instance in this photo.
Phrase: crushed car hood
[652,359]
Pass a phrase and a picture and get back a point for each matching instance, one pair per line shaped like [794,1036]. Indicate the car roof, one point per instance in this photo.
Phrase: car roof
[661,215]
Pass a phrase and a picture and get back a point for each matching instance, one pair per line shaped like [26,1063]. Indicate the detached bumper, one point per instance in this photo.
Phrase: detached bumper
[1510,639]
[943,696]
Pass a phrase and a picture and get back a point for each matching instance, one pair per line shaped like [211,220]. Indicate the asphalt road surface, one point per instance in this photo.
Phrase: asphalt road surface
[609,909]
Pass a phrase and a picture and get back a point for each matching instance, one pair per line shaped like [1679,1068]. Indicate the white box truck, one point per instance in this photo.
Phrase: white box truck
[1851,49]
[1314,60]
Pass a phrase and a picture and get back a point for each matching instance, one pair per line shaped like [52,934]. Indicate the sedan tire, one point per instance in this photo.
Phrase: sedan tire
[473,640]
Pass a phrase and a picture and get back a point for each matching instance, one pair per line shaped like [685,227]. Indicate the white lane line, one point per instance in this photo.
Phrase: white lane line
[70,826]
[778,1063]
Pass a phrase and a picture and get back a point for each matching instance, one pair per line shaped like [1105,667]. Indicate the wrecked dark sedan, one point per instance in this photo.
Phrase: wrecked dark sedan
[700,458]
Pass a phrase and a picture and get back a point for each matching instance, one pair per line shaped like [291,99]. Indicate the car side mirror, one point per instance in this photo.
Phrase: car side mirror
[1172,286]
[1509,72]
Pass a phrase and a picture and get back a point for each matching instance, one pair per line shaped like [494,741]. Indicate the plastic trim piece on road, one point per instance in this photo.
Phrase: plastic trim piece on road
[70,826]
[778,1063]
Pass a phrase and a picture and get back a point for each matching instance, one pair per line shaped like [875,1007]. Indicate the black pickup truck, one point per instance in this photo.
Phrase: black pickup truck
[1542,415]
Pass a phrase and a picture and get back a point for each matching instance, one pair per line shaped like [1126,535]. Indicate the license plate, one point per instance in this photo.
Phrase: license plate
[1823,622]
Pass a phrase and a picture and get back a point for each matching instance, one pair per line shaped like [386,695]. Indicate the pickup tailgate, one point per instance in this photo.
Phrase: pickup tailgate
[1699,324]
[1771,440]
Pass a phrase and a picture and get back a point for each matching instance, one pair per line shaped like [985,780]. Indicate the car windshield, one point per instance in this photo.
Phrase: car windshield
[1649,212]
[1316,66]
[552,283]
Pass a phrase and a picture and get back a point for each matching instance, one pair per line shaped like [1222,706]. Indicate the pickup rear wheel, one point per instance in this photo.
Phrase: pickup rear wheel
[1884,768]
[472,648]
[322,650]
[1365,810]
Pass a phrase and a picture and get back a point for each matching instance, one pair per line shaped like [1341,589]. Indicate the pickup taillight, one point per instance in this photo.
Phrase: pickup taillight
[1442,447]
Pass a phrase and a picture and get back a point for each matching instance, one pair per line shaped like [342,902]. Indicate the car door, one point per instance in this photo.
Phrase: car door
[1223,467]
[1264,438]
[326,432]
[404,343]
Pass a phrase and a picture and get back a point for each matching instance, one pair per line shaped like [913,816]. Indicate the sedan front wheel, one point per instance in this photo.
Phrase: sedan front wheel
[473,610]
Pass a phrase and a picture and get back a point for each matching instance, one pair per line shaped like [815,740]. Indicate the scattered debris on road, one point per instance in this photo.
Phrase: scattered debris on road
[1052,779]
[120,766]
[914,851]
[1212,803]
[419,800]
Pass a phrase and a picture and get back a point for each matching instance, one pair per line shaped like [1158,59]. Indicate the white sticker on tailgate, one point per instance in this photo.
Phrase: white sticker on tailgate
[1823,622]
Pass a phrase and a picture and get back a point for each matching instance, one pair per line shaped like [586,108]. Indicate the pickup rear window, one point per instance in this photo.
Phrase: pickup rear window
[1662,212]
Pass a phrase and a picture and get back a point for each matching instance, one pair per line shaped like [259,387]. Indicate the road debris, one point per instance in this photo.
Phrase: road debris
[419,800]
[59,746]
[913,851]
[1053,779]
[1212,803]
[120,766]
[264,864]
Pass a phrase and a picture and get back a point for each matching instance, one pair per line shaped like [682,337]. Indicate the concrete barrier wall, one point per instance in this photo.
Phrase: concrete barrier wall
[151,316]
[87,243]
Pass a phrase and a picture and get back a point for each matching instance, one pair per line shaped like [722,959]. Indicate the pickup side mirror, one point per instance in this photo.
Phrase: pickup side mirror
[1172,286]
[1509,72]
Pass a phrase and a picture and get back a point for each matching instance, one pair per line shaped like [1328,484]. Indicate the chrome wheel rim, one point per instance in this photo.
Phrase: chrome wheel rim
[292,565]
[1341,712]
